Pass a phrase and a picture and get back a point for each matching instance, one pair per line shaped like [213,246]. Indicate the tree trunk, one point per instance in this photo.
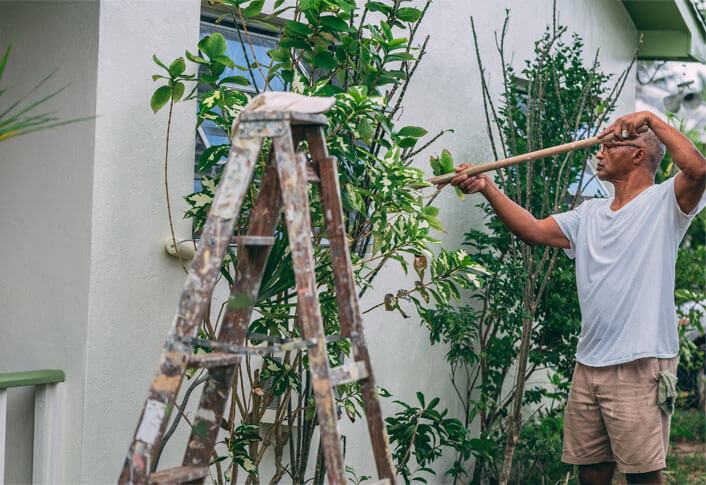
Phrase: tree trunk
[514,420]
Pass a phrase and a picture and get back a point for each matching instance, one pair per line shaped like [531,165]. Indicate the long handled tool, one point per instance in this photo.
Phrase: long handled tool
[527,157]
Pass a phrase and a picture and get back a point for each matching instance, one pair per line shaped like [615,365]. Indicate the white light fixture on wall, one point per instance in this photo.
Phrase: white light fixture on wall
[691,99]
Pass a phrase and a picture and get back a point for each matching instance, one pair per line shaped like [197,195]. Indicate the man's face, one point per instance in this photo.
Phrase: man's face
[615,159]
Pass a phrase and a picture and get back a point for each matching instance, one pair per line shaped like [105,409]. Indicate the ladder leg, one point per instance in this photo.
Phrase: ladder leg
[194,299]
[346,297]
[251,264]
[296,204]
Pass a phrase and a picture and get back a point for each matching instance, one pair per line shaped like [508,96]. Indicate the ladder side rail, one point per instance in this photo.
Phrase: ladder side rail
[292,177]
[246,281]
[347,299]
[199,283]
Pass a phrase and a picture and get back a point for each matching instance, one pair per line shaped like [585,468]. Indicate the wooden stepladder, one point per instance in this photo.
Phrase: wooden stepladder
[284,185]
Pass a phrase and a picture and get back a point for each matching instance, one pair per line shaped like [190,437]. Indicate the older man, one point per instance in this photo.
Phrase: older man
[625,248]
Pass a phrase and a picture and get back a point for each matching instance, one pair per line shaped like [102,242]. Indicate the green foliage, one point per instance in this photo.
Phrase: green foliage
[538,457]
[688,424]
[20,117]
[327,48]
[424,433]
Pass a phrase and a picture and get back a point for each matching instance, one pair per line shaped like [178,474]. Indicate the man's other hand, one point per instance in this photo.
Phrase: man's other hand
[626,126]
[470,184]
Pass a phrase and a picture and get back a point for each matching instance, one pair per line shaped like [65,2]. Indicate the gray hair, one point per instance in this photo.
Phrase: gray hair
[654,149]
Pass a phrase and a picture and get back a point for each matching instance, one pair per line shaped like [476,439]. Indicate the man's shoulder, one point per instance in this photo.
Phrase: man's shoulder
[592,204]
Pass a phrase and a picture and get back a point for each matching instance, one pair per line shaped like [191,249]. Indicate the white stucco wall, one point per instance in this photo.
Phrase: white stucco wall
[45,214]
[104,292]
[134,285]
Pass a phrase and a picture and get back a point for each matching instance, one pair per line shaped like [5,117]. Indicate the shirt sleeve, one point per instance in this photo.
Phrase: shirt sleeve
[569,224]
[681,218]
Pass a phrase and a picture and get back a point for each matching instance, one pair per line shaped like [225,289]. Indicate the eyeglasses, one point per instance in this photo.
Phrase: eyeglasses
[607,146]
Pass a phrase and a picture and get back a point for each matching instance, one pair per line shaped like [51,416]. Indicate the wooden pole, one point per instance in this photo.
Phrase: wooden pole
[527,157]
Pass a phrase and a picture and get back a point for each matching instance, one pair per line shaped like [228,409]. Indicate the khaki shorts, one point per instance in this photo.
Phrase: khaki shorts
[612,416]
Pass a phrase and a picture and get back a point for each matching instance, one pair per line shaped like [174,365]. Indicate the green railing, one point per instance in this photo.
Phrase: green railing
[47,408]
[31,378]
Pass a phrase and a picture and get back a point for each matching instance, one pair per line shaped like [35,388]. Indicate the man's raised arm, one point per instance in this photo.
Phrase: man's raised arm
[517,219]
[690,183]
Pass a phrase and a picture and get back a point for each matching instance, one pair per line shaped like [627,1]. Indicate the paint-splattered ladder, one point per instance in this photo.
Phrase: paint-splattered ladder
[284,185]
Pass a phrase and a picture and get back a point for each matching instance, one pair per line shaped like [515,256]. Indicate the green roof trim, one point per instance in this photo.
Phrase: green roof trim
[671,30]
[31,378]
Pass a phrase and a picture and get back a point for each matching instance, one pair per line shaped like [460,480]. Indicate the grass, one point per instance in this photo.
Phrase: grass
[686,462]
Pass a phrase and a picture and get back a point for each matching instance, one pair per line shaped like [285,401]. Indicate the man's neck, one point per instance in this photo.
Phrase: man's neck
[629,187]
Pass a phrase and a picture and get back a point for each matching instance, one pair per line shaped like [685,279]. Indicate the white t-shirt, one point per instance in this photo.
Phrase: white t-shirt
[625,273]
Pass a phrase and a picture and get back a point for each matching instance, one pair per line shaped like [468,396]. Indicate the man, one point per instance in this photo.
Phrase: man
[625,249]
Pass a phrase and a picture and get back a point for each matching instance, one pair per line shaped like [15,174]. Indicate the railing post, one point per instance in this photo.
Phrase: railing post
[47,412]
[47,420]
[3,430]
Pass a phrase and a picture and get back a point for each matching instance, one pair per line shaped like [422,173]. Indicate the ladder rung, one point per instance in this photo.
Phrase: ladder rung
[214,359]
[384,481]
[354,371]
[311,175]
[179,474]
[280,345]
[254,240]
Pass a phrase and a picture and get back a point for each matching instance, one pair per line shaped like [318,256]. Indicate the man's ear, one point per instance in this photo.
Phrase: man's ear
[639,157]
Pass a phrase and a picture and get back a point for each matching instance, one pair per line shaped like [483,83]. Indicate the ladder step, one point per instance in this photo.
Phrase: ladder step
[280,345]
[180,474]
[311,175]
[214,359]
[354,371]
[254,240]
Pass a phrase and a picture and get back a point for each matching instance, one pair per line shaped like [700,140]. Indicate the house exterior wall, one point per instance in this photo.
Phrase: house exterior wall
[45,213]
[121,286]
[134,285]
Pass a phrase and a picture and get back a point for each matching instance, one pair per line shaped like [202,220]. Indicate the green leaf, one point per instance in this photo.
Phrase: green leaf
[334,23]
[178,91]
[211,156]
[223,60]
[409,14]
[446,161]
[420,398]
[160,97]
[158,62]
[325,59]
[378,7]
[241,80]
[290,42]
[292,27]
[365,131]
[213,45]
[431,211]
[253,9]
[200,429]
[413,131]
[196,59]
[4,59]
[240,301]
[177,67]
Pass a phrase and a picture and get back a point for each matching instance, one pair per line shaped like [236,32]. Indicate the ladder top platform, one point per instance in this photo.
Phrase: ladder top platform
[293,117]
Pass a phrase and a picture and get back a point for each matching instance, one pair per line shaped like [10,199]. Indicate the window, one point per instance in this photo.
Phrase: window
[262,41]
